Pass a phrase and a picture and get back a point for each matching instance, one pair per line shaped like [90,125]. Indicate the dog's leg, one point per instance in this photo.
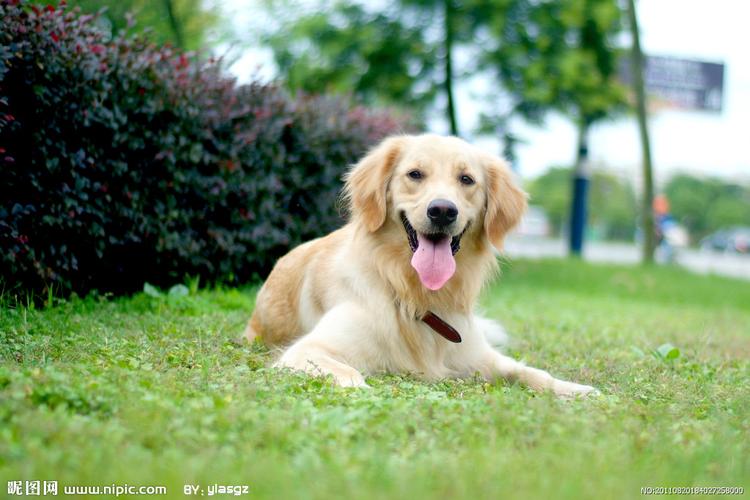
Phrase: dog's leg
[250,334]
[508,368]
[316,353]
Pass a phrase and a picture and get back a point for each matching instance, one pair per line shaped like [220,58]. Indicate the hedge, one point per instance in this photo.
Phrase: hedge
[124,162]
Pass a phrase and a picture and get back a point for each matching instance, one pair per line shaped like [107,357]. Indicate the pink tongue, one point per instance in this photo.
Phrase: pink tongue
[434,262]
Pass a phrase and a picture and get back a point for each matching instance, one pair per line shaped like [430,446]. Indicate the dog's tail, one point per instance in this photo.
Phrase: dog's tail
[493,332]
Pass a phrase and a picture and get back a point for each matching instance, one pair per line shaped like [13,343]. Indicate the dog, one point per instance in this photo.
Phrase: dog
[394,290]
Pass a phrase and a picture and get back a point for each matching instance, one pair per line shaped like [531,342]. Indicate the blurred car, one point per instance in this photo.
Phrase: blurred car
[732,240]
[534,223]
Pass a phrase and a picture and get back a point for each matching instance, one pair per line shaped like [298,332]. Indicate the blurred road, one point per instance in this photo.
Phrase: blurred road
[732,265]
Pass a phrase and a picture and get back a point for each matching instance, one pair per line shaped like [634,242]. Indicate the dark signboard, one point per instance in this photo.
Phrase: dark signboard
[681,83]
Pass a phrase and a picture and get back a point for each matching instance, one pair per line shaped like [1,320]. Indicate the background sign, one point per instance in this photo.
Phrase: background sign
[681,83]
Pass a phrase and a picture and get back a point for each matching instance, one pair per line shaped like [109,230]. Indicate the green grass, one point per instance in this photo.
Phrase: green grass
[155,391]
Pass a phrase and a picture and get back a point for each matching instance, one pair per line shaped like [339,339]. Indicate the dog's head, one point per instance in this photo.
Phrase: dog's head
[439,190]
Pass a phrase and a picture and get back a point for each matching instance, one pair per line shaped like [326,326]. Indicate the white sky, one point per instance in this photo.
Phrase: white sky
[699,142]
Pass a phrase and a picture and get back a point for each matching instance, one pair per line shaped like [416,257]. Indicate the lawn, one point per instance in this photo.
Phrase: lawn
[154,390]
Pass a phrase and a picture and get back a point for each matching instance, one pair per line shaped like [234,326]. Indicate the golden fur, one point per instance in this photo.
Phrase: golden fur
[349,304]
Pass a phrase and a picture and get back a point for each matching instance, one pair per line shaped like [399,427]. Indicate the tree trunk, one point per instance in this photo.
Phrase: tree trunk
[647,213]
[448,48]
[579,200]
[174,24]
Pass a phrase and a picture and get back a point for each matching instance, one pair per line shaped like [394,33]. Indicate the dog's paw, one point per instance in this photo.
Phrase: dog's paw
[354,379]
[565,389]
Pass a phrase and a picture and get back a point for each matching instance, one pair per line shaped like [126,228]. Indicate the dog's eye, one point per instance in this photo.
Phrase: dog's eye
[466,180]
[415,174]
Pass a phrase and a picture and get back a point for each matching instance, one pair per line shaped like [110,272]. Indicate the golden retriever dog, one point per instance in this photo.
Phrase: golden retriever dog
[394,290]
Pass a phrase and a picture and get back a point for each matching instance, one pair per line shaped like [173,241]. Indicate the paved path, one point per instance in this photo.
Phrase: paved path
[736,266]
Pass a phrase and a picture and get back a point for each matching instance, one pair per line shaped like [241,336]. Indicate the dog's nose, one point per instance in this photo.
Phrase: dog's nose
[442,212]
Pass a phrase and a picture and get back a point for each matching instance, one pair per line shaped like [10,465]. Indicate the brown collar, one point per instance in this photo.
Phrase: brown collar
[441,327]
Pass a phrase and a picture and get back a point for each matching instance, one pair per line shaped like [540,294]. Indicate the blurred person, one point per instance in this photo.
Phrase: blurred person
[666,229]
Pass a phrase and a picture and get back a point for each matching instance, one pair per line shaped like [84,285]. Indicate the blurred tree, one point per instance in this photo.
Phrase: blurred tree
[613,202]
[639,89]
[449,33]
[547,55]
[551,192]
[707,205]
[398,53]
[557,55]
[445,16]
[614,206]
[183,23]
[349,49]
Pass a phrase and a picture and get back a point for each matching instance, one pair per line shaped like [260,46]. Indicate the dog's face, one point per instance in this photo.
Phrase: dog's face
[437,189]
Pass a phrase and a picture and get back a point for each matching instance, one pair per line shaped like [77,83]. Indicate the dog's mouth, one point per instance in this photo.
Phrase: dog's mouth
[433,254]
[411,234]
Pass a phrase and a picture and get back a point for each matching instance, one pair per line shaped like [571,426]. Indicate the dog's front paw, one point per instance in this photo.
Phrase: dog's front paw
[320,364]
[565,389]
[351,380]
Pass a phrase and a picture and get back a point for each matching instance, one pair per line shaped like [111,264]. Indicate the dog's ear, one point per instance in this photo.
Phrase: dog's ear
[367,182]
[506,202]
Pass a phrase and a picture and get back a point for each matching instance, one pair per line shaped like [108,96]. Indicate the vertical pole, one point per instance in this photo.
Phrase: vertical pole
[579,204]
[647,214]
[448,83]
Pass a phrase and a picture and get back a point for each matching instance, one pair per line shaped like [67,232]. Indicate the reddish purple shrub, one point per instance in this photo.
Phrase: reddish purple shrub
[123,162]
